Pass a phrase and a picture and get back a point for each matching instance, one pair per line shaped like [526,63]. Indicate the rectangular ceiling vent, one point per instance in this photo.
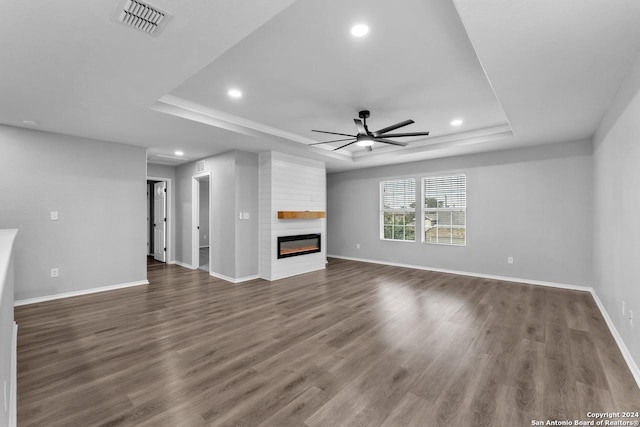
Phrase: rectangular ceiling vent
[141,16]
[200,166]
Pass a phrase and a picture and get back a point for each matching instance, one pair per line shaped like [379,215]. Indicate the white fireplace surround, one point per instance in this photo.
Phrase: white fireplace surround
[289,183]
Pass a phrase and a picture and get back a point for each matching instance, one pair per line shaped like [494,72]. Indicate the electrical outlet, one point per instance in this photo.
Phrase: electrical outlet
[54,215]
[357,245]
[55,272]
[510,260]
[624,308]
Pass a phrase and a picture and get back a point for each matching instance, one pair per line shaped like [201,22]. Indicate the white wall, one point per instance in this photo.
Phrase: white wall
[204,212]
[533,204]
[246,245]
[616,209]
[289,183]
[98,189]
[161,171]
[233,242]
[169,172]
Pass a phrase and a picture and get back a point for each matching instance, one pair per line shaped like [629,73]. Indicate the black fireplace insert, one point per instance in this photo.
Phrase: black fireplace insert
[303,244]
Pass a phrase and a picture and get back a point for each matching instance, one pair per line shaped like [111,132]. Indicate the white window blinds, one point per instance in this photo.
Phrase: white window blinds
[445,205]
[398,216]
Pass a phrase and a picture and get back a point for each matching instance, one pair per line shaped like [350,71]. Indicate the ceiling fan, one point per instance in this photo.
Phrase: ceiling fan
[366,138]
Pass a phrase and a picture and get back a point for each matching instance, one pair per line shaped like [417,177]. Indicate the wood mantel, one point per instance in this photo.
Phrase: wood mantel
[301,214]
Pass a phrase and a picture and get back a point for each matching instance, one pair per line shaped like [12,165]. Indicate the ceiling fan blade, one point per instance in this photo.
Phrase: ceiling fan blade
[392,127]
[398,135]
[335,140]
[333,133]
[346,145]
[360,126]
[388,141]
[369,148]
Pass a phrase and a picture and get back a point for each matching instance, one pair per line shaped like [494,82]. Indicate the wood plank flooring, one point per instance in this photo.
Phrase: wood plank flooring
[356,345]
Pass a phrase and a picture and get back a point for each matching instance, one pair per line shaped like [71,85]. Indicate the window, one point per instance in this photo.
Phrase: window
[445,206]
[398,210]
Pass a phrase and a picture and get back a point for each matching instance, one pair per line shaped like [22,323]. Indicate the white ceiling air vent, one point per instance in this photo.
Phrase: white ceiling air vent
[200,166]
[141,16]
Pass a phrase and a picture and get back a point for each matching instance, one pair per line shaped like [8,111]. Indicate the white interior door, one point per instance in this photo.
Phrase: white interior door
[160,221]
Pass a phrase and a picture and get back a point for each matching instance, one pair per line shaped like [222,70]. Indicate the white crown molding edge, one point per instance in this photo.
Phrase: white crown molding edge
[477,136]
[180,107]
[222,116]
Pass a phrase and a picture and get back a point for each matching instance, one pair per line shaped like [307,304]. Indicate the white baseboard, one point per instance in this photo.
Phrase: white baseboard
[13,396]
[220,276]
[78,293]
[469,273]
[286,276]
[633,367]
[185,265]
[231,279]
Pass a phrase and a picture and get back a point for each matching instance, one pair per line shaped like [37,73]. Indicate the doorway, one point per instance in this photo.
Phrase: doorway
[158,219]
[201,221]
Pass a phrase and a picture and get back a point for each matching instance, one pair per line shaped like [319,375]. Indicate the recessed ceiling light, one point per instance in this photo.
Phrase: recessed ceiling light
[179,153]
[234,93]
[456,122]
[359,30]
[30,122]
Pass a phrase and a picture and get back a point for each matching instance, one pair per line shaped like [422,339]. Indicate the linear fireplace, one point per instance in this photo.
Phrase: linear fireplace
[303,244]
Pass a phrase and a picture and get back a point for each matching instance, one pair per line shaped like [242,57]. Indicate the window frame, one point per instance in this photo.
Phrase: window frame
[382,210]
[424,209]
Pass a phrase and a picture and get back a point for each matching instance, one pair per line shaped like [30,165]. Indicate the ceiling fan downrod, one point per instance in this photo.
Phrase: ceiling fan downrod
[364,115]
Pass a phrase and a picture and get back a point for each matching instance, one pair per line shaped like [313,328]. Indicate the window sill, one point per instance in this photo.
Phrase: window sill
[444,244]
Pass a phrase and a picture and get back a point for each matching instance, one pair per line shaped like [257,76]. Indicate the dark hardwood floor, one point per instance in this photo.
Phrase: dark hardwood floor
[355,345]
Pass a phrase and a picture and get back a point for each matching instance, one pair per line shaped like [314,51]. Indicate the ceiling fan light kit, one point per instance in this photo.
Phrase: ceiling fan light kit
[366,138]
[365,141]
